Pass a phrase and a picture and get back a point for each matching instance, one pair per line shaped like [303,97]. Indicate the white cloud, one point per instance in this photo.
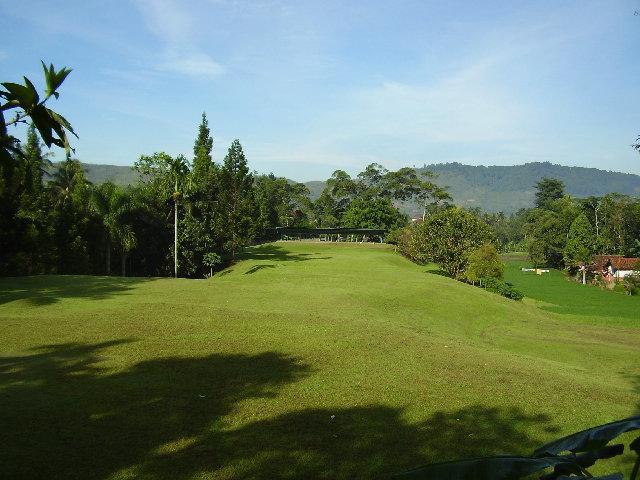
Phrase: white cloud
[173,25]
[195,64]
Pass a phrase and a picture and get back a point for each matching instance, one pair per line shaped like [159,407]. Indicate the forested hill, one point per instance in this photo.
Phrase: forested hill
[118,174]
[496,188]
[510,188]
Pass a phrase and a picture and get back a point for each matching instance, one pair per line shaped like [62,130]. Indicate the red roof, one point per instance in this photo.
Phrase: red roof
[618,261]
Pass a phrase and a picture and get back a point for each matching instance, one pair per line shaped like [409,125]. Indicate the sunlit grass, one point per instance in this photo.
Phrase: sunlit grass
[304,360]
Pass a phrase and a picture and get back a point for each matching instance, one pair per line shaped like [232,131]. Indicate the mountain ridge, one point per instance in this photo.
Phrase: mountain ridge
[495,188]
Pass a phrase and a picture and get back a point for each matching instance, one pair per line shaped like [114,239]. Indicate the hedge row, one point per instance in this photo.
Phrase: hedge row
[500,287]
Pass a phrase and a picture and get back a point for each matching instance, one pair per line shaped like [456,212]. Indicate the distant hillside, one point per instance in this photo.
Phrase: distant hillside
[494,188]
[510,188]
[118,174]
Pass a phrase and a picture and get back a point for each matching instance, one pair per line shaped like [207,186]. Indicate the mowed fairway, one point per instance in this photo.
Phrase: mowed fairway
[304,360]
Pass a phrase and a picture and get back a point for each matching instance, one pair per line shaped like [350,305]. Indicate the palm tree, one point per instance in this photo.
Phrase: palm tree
[178,169]
[65,180]
[106,201]
[114,205]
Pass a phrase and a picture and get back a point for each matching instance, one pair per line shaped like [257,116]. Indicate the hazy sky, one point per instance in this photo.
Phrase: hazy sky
[309,87]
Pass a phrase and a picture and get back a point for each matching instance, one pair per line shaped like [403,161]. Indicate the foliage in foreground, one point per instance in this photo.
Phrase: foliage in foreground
[569,456]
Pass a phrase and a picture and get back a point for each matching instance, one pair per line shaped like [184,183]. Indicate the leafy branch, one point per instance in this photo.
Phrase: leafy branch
[25,99]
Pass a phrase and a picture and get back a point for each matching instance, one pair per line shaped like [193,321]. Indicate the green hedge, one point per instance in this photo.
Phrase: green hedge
[503,288]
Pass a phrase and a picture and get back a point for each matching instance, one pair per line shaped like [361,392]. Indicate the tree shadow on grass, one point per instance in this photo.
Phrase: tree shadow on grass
[277,253]
[49,289]
[257,268]
[64,415]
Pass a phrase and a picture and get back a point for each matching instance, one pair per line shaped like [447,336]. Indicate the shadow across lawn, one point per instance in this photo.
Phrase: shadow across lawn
[49,289]
[278,253]
[257,268]
[64,415]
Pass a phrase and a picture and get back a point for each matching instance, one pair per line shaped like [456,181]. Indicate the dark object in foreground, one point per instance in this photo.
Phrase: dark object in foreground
[569,456]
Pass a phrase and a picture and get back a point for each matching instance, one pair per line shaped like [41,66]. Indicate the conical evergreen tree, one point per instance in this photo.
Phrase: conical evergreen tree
[34,162]
[202,161]
[238,199]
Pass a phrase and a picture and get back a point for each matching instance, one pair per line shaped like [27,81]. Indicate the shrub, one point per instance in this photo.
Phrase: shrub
[631,283]
[403,239]
[503,288]
[484,262]
[447,238]
[211,260]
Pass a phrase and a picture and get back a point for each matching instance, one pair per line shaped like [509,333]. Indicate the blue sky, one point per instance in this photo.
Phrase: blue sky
[309,87]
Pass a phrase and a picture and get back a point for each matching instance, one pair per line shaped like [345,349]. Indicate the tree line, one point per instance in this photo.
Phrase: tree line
[186,217]
[559,231]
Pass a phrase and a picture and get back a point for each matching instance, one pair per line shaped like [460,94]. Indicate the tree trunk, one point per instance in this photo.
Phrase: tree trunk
[175,239]
[124,264]
[584,276]
[108,257]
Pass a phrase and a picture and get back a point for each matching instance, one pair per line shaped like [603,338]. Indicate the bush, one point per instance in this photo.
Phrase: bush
[631,283]
[447,238]
[211,260]
[502,288]
[484,262]
[402,238]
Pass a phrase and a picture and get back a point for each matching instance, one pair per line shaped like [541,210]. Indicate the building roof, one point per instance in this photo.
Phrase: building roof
[618,261]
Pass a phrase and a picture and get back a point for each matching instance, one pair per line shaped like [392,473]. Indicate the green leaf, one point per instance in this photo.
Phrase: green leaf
[26,97]
[62,121]
[43,123]
[589,439]
[54,79]
[34,92]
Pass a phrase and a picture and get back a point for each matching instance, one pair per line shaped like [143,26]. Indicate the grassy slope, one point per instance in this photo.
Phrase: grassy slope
[238,376]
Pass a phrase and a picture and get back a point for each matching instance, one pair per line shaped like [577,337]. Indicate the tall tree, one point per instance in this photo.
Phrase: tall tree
[178,169]
[70,195]
[34,162]
[237,199]
[548,190]
[68,180]
[580,243]
[202,160]
[376,213]
[167,176]
[113,207]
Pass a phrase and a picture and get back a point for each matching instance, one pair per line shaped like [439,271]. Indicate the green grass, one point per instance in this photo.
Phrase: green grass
[555,292]
[304,360]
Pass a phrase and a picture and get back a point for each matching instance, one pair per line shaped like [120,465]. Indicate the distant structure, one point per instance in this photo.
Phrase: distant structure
[329,234]
[614,266]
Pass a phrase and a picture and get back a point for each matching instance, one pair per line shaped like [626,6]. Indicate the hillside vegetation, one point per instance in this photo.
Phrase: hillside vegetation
[495,188]
[303,360]
[122,175]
